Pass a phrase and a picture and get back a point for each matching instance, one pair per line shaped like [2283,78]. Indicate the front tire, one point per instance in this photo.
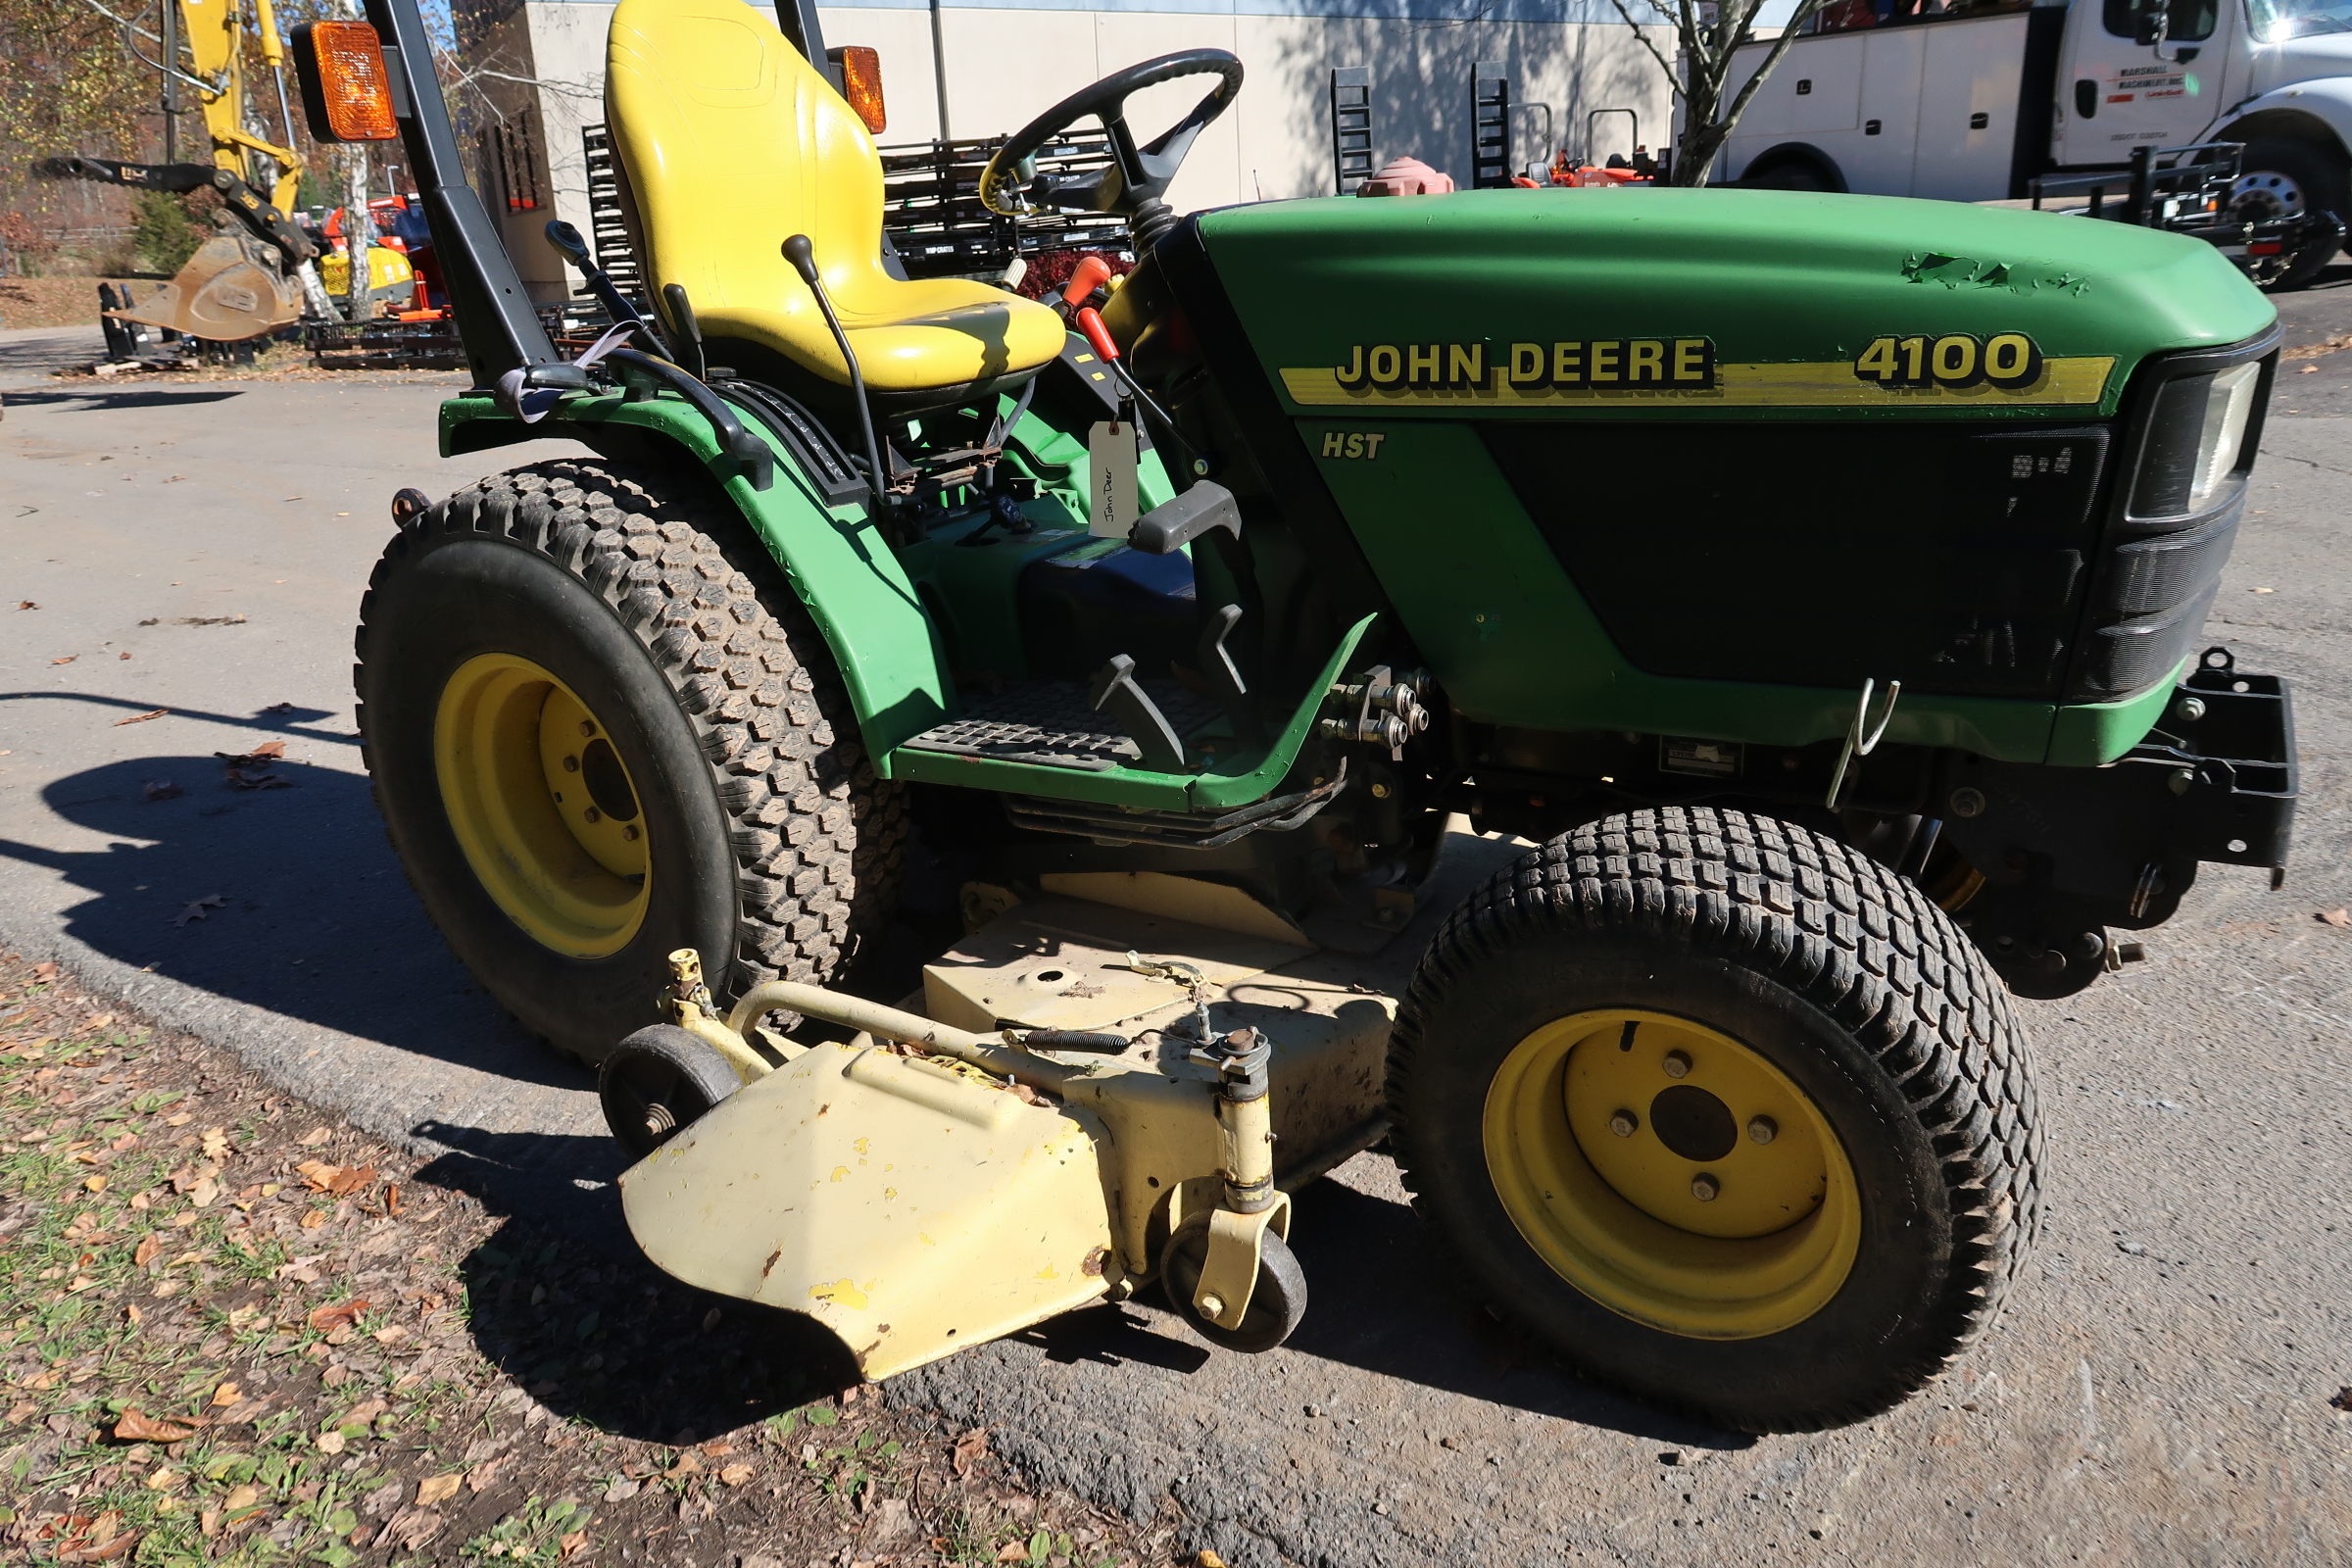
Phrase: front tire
[601,729]
[1729,1114]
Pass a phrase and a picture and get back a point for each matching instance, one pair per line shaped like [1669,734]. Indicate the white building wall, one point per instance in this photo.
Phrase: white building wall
[1006,65]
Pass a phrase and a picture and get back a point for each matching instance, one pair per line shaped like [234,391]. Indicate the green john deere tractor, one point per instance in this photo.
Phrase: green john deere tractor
[1815,582]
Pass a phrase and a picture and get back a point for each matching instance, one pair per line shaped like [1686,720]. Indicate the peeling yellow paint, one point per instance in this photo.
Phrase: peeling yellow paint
[838,1171]
[889,1191]
[1047,1273]
[841,1293]
[859,1145]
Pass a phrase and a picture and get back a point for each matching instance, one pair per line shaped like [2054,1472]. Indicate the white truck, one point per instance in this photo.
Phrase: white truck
[1969,100]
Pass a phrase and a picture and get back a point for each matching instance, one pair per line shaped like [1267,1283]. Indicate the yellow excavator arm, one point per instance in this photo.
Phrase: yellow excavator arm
[216,34]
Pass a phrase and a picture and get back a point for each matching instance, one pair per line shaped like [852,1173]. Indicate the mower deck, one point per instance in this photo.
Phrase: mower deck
[915,1205]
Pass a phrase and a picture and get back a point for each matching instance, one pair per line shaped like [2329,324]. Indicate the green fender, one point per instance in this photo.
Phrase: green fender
[835,561]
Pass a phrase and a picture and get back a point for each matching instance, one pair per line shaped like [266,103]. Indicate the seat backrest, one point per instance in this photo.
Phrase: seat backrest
[730,141]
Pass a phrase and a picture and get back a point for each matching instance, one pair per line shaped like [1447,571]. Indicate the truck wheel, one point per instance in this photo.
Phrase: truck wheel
[2287,179]
[1729,1114]
[601,729]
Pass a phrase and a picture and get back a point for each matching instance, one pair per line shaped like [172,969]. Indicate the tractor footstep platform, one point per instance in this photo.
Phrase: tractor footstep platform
[1048,723]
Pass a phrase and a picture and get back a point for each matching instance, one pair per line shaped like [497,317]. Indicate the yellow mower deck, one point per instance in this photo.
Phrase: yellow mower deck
[915,1204]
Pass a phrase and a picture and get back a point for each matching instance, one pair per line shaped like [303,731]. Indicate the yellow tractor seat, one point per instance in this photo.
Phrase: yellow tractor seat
[730,142]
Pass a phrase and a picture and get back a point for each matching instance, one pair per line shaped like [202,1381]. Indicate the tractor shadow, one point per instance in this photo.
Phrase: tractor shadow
[561,1299]
[313,918]
[1386,1298]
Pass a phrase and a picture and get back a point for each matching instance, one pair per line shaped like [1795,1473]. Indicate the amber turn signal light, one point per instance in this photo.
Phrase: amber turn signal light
[860,71]
[346,91]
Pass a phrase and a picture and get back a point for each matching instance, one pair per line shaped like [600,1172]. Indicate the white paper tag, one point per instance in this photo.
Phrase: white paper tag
[1110,470]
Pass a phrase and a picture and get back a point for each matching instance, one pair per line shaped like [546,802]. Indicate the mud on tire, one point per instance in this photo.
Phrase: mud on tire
[774,848]
[1841,975]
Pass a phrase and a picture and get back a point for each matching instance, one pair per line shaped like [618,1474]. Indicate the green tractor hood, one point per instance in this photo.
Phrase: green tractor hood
[1709,305]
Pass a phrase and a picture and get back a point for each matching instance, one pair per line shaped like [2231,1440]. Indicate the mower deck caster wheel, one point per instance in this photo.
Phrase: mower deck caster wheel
[657,1081]
[1275,1306]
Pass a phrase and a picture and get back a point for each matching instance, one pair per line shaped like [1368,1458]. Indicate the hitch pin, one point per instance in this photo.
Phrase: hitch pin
[1856,744]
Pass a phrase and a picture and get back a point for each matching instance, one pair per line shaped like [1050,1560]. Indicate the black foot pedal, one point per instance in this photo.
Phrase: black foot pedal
[1114,691]
[1224,677]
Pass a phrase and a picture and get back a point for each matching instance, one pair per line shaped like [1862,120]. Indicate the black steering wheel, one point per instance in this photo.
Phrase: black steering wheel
[1137,175]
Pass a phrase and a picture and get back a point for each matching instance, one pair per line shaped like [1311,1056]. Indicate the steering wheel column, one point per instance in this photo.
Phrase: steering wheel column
[1139,176]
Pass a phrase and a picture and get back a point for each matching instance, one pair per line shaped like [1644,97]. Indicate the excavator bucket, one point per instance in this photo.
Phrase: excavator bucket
[227,293]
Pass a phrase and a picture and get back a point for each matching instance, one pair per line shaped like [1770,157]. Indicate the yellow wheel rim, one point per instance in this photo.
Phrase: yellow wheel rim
[1727,1210]
[542,805]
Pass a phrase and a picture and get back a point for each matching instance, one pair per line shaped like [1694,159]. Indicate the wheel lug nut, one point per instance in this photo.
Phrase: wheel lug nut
[586,729]
[593,815]
[1763,1130]
[1212,1306]
[1624,1123]
[630,833]
[1704,1187]
[1677,1064]
[571,764]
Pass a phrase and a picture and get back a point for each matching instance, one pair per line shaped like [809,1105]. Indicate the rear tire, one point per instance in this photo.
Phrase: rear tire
[633,606]
[1803,987]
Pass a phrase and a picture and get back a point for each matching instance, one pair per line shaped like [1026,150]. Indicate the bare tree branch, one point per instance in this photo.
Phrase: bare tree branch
[1673,77]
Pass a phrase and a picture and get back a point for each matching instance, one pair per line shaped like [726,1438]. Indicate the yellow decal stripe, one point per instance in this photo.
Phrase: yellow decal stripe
[1737,386]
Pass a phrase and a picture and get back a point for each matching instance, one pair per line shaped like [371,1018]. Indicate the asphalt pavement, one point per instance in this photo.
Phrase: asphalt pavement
[2159,1390]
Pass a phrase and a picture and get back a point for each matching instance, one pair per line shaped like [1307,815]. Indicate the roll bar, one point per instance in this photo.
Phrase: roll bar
[495,318]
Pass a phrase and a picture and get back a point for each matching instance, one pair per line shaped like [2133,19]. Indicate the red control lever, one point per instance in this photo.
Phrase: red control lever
[1090,275]
[1090,322]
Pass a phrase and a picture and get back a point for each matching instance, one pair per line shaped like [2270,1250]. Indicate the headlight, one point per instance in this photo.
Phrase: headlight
[2196,429]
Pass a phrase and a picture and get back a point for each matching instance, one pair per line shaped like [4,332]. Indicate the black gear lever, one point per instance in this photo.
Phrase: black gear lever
[568,244]
[803,257]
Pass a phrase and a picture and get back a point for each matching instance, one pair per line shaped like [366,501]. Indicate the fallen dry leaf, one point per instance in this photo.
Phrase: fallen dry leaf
[216,1143]
[735,1475]
[45,970]
[313,1220]
[68,660]
[195,911]
[261,755]
[314,1138]
[242,1497]
[482,1477]
[144,1253]
[141,718]
[2335,916]
[435,1490]
[970,1450]
[1018,1551]
[575,1541]
[339,1315]
[226,1393]
[134,1427]
[205,1192]
[410,1528]
[330,1443]
[27,604]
